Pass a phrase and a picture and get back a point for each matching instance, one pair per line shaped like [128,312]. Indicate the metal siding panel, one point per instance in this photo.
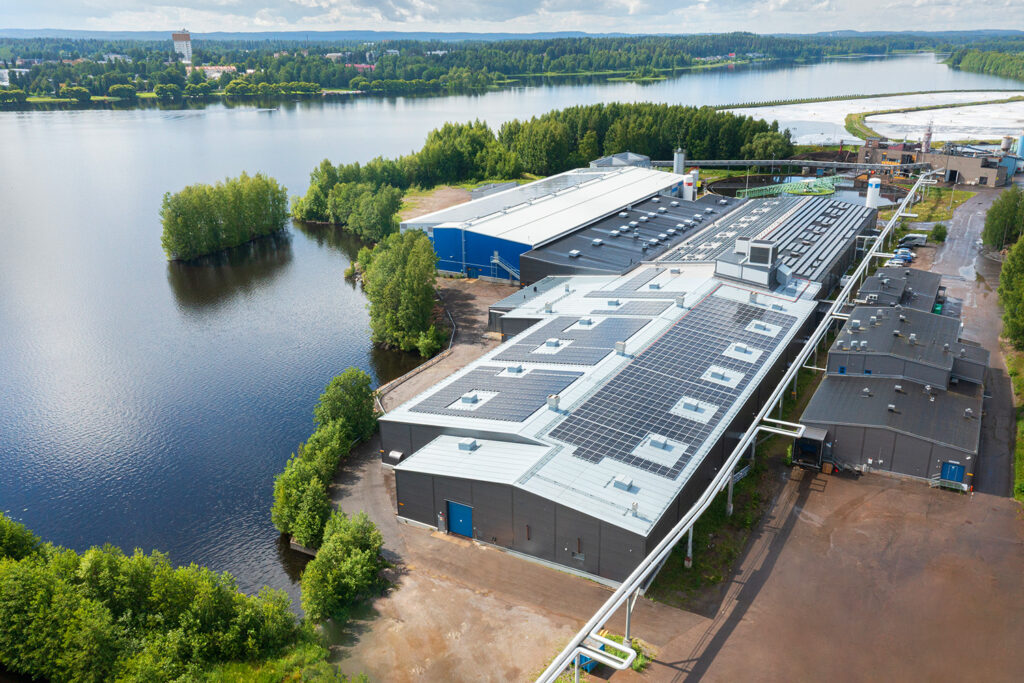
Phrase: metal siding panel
[574,532]
[480,249]
[539,514]
[847,443]
[911,456]
[448,247]
[621,552]
[492,512]
[395,436]
[421,435]
[415,493]
[878,446]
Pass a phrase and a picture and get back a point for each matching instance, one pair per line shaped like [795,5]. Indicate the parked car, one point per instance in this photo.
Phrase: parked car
[903,252]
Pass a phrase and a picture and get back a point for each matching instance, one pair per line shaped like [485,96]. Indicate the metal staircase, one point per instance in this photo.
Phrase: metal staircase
[509,268]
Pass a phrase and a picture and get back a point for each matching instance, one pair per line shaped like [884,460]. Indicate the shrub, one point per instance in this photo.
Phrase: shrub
[938,233]
[348,396]
[76,92]
[345,568]
[123,91]
[16,541]
[168,92]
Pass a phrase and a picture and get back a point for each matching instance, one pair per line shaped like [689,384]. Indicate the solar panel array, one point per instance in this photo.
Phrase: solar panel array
[746,221]
[638,401]
[587,347]
[517,397]
[645,308]
[630,286]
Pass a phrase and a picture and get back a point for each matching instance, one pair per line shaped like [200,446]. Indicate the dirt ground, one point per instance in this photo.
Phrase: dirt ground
[441,198]
[864,580]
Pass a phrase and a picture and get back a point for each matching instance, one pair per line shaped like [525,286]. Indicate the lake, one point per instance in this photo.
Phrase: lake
[151,404]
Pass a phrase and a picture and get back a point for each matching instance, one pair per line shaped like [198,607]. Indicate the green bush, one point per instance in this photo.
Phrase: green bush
[400,286]
[104,615]
[345,568]
[123,91]
[348,397]
[77,93]
[16,541]
[167,92]
[314,509]
[202,219]
[12,96]
[938,233]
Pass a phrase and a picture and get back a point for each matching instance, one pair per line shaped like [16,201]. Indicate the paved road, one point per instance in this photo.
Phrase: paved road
[973,278]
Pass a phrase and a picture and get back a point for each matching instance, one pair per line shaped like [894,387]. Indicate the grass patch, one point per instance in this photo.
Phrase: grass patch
[643,656]
[1015,368]
[938,205]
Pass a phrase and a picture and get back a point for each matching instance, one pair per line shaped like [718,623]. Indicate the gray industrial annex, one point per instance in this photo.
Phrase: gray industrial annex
[903,392]
[617,396]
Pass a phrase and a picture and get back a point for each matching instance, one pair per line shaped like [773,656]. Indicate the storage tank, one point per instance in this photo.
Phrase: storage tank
[1006,144]
[688,190]
[1020,145]
[874,192]
[695,174]
[679,161]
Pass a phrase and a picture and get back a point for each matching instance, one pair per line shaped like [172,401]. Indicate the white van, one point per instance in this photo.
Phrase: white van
[914,239]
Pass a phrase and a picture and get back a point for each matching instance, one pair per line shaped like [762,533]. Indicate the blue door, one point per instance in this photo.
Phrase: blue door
[460,519]
[952,472]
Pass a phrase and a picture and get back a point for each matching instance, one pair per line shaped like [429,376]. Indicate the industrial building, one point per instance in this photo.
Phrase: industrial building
[903,392]
[622,159]
[963,164]
[618,396]
[487,236]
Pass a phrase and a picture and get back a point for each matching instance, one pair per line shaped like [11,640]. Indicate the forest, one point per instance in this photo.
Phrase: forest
[996,63]
[202,219]
[415,66]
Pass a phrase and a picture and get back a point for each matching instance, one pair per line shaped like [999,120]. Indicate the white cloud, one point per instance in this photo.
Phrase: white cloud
[632,16]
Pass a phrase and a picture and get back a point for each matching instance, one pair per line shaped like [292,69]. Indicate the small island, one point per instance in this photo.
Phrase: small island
[202,219]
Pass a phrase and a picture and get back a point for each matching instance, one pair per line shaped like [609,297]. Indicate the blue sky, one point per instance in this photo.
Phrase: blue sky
[634,16]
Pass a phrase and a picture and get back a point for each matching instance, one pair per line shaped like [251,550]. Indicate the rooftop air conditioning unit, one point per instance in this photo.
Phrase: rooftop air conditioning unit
[643,219]
[891,407]
[659,442]
[597,242]
[470,398]
[898,388]
[613,303]
[574,253]
[671,231]
[655,200]
[623,482]
[723,202]
[468,444]
[653,241]
[623,214]
[968,413]
[912,338]
[614,233]
[586,322]
[663,236]
[552,343]
[673,203]
[553,401]
[662,209]
[620,348]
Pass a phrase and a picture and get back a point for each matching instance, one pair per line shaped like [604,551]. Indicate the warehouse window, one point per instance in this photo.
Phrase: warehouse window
[866,371]
[527,532]
[842,369]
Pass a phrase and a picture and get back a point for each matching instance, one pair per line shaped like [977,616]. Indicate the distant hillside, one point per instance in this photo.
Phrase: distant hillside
[301,36]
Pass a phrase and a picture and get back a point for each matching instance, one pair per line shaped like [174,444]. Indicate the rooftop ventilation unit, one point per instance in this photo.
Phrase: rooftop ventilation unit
[681,301]
[891,407]
[673,203]
[623,482]
[660,442]
[586,322]
[653,241]
[620,348]
[655,200]
[778,307]
[553,401]
[633,224]
[968,413]
[945,348]
[709,210]
[662,209]
[671,231]
[613,303]
[928,389]
[655,285]
[662,236]
[866,392]
[597,241]
[548,308]
[623,214]
[643,219]
[468,445]
[674,271]
[515,369]
[470,398]
[723,202]
[903,318]
[574,253]
[963,351]
[692,406]
[854,324]
[553,343]
[898,388]
[698,217]
[614,233]
[720,376]
[912,339]
[874,321]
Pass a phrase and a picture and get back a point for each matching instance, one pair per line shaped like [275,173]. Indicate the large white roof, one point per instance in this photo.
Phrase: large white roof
[537,213]
[532,454]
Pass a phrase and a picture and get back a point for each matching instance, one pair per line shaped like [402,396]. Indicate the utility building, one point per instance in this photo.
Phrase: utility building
[487,236]
[903,392]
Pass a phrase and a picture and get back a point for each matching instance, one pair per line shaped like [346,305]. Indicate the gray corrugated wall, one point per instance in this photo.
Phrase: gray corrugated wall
[877,445]
[492,513]
[576,533]
[539,514]
[415,494]
[621,551]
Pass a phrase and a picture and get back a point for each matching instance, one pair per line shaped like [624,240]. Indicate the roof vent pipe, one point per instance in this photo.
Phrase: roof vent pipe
[912,338]
[898,388]
[891,407]
[620,348]
[968,413]
[553,401]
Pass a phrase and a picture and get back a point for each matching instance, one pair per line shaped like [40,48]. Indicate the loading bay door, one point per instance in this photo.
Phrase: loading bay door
[952,472]
[460,519]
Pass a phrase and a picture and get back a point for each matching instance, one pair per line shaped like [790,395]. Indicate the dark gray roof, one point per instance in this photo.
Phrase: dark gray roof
[666,221]
[812,233]
[931,332]
[938,418]
[917,289]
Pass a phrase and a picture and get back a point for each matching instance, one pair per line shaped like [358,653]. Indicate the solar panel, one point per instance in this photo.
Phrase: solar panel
[577,346]
[645,308]
[506,397]
[643,398]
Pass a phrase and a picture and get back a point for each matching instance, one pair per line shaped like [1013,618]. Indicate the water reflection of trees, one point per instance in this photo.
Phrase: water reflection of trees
[213,279]
[331,236]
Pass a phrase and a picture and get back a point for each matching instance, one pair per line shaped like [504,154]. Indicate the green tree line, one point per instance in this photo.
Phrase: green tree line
[104,615]
[1004,224]
[202,219]
[344,416]
[996,63]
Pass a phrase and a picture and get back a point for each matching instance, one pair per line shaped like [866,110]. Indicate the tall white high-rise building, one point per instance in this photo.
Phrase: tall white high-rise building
[183,45]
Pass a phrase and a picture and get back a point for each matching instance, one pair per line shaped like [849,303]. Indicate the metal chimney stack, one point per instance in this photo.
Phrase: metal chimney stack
[679,161]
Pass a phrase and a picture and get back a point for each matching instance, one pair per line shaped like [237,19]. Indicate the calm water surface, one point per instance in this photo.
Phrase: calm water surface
[150,404]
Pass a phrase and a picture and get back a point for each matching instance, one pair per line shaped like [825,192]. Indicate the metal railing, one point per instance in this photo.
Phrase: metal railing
[790,163]
[821,185]
[512,270]
[723,477]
